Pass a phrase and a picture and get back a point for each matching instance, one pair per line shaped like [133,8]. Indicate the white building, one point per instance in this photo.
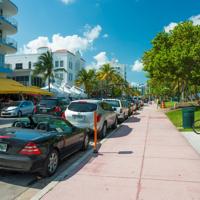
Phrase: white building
[8,26]
[66,67]
[120,68]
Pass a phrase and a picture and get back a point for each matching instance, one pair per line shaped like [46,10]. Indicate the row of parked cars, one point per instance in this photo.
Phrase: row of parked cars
[37,143]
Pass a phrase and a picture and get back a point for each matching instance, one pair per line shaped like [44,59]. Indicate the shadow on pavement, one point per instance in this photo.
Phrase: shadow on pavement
[123,131]
[132,119]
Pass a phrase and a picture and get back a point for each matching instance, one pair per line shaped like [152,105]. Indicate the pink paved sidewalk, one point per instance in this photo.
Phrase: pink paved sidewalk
[147,159]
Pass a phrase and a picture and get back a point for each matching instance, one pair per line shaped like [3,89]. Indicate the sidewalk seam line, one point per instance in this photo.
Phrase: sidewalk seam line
[142,165]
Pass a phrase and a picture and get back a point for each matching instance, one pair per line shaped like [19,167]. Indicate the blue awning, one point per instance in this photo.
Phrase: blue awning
[5,70]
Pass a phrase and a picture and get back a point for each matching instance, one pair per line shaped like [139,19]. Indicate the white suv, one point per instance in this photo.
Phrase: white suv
[120,107]
[81,114]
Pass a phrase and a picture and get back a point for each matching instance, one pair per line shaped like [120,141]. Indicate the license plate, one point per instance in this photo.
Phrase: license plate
[79,117]
[3,147]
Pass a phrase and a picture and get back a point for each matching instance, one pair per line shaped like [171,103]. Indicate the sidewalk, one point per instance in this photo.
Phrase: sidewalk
[147,159]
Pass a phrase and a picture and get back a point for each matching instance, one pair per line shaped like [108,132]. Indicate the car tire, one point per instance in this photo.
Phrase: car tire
[18,124]
[85,142]
[114,126]
[19,114]
[51,164]
[103,131]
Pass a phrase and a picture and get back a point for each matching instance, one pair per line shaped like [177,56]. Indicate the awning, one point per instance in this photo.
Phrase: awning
[9,86]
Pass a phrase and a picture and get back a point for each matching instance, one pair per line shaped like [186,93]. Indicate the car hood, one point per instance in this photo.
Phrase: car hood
[9,108]
[22,134]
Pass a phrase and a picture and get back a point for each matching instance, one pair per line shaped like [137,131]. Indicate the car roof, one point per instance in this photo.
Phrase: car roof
[87,100]
[113,99]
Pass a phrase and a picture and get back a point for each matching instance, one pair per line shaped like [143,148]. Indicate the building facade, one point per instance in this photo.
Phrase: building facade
[66,67]
[120,68]
[8,26]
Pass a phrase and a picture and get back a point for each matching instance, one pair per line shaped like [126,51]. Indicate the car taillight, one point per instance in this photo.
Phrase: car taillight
[30,149]
[120,110]
[98,117]
[63,115]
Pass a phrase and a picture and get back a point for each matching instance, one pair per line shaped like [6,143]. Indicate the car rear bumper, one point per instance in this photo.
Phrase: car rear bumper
[8,114]
[20,163]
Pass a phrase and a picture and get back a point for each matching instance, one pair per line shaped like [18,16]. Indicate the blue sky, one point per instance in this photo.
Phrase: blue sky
[101,29]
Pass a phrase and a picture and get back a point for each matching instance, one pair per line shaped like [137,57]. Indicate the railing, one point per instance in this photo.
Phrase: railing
[9,42]
[9,20]
[13,4]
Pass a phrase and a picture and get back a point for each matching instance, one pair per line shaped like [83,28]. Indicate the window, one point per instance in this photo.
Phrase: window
[106,106]
[29,65]
[18,66]
[60,126]
[82,106]
[70,65]
[113,103]
[70,77]
[61,63]
[56,63]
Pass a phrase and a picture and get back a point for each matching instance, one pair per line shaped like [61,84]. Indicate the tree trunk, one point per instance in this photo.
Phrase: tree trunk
[183,91]
[49,83]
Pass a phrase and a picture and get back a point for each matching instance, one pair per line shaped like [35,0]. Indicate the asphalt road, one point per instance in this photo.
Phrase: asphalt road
[22,186]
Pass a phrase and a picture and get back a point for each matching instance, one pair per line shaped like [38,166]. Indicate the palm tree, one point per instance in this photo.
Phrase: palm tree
[87,79]
[44,66]
[107,74]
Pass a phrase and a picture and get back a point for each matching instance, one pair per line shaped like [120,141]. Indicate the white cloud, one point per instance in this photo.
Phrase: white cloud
[94,33]
[134,84]
[170,27]
[105,35]
[68,1]
[101,58]
[72,42]
[137,66]
[195,19]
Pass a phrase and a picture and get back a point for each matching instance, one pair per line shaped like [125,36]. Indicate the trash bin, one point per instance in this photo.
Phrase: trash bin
[188,117]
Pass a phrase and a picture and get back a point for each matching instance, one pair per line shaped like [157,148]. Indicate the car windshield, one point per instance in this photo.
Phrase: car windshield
[48,102]
[38,119]
[14,103]
[82,107]
[113,103]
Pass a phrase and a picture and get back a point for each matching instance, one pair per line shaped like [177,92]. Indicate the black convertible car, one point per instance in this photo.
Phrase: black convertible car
[37,143]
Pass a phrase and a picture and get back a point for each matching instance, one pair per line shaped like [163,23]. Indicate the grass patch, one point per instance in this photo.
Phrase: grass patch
[169,104]
[175,117]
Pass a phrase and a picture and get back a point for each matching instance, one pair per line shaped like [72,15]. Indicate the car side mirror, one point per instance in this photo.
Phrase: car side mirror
[114,109]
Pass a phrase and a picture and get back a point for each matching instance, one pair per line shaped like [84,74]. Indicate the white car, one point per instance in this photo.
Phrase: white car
[120,107]
[81,114]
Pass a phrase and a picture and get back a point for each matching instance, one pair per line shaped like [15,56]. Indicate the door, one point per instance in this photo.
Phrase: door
[24,108]
[70,137]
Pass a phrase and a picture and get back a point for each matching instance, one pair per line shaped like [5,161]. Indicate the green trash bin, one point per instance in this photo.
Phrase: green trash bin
[188,117]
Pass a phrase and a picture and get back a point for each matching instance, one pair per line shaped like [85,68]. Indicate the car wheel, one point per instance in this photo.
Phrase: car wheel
[103,131]
[114,126]
[51,164]
[18,124]
[19,114]
[85,142]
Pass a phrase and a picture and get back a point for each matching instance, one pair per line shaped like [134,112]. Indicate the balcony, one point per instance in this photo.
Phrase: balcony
[8,25]
[7,45]
[9,8]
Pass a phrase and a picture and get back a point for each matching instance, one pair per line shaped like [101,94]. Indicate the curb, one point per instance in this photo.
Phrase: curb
[65,173]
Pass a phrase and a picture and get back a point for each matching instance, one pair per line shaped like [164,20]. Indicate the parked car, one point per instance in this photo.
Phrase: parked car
[38,142]
[120,107]
[17,109]
[54,106]
[81,113]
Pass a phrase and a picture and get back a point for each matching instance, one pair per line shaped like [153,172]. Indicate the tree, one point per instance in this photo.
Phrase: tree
[87,79]
[106,75]
[44,66]
[174,59]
